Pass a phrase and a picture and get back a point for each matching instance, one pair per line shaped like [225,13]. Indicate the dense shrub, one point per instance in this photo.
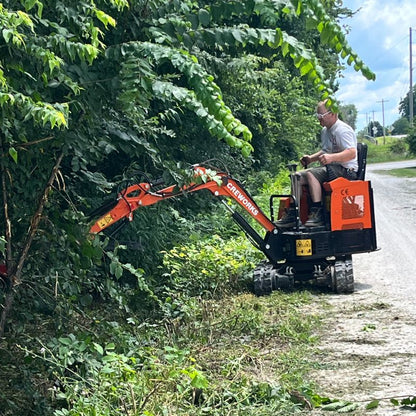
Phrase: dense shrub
[398,147]
[411,141]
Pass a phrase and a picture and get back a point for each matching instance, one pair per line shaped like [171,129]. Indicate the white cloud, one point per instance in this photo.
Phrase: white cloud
[380,36]
[390,14]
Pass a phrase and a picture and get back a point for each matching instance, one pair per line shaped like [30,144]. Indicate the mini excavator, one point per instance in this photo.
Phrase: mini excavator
[320,254]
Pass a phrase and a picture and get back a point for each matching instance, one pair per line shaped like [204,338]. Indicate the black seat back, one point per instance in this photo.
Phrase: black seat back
[362,160]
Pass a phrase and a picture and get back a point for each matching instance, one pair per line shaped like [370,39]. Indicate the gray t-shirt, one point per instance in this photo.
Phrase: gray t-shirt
[338,138]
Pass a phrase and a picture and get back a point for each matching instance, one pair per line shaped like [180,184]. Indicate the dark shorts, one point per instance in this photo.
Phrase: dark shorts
[332,171]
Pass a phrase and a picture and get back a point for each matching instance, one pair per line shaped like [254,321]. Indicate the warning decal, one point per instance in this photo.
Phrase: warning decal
[304,247]
[104,221]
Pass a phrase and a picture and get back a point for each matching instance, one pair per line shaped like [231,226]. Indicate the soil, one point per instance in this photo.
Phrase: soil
[368,347]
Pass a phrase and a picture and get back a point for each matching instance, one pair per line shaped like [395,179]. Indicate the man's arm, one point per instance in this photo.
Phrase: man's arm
[308,159]
[341,157]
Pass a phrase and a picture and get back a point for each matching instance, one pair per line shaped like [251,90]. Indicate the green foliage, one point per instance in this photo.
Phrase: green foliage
[408,402]
[404,107]
[210,267]
[401,126]
[398,147]
[147,367]
[411,141]
[379,152]
[112,383]
[277,109]
[348,113]
[340,406]
[32,67]
[2,244]
[373,404]
[375,129]
[117,87]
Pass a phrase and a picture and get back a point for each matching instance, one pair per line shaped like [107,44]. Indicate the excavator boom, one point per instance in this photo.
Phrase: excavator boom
[141,195]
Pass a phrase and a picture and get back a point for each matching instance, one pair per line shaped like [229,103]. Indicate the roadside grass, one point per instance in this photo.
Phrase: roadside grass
[390,149]
[257,354]
[209,346]
[409,172]
[236,355]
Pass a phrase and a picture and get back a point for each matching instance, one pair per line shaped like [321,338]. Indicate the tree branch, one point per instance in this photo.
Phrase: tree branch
[8,224]
[35,142]
[34,224]
[15,273]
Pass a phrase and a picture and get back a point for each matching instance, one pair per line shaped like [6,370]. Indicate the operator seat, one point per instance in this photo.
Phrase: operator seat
[362,160]
[362,163]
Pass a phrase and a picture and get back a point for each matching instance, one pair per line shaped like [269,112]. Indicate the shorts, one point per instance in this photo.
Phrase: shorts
[332,171]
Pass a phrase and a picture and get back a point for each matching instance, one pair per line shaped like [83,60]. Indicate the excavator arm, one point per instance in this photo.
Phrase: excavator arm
[298,253]
[142,194]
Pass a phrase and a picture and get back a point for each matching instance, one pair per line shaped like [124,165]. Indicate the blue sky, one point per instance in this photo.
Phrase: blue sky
[380,35]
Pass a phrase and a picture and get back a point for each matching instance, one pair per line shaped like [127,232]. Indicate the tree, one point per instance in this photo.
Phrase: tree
[404,104]
[348,113]
[411,141]
[401,126]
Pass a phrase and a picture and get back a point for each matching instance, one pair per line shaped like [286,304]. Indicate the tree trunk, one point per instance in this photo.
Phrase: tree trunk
[14,272]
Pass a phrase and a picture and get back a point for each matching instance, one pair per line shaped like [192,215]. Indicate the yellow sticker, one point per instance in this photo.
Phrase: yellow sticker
[105,221]
[304,247]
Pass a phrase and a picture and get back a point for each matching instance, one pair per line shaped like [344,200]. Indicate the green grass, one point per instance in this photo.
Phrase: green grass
[389,150]
[401,173]
[210,347]
[237,355]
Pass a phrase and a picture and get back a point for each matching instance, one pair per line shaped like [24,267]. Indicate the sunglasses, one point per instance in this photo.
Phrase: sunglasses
[321,116]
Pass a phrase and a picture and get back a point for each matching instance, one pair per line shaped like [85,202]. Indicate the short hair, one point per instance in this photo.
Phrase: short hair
[324,104]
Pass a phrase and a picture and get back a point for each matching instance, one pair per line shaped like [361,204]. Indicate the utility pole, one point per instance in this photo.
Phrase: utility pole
[411,79]
[382,109]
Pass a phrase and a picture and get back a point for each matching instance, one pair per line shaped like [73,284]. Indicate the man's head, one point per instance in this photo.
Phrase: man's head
[326,117]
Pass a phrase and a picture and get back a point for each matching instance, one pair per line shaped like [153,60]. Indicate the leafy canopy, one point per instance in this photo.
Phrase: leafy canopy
[156,47]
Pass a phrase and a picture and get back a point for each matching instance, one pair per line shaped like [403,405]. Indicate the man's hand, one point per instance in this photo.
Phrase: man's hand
[341,157]
[326,159]
[306,160]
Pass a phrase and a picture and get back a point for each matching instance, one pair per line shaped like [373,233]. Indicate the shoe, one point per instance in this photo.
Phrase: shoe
[315,218]
[288,219]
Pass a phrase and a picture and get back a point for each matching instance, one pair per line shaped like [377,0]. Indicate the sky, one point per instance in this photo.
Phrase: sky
[379,34]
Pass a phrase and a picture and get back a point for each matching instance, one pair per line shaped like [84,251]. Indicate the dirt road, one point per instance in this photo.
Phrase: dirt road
[368,348]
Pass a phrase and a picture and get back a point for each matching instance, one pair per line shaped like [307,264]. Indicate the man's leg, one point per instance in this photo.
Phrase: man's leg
[315,217]
[315,190]
[315,187]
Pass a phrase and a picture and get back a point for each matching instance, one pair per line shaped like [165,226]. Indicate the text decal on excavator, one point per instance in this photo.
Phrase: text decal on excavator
[304,247]
[242,199]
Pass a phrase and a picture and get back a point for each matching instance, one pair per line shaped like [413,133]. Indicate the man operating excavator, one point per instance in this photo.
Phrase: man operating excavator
[338,158]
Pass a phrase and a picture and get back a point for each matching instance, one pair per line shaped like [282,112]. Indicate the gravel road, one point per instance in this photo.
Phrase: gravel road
[368,348]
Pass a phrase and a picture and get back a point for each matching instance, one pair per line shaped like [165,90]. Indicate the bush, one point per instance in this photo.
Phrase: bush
[411,141]
[210,267]
[398,147]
